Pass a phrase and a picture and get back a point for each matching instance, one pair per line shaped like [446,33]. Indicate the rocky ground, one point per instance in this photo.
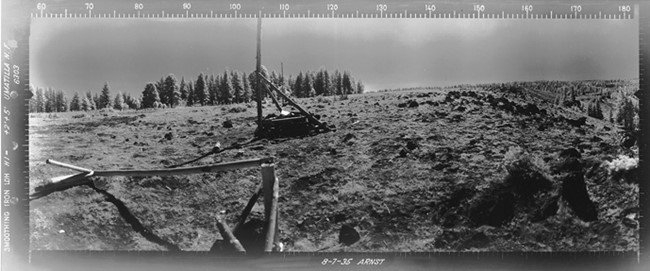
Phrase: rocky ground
[455,169]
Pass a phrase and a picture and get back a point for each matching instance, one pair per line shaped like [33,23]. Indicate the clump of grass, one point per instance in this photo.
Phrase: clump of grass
[322,99]
[237,109]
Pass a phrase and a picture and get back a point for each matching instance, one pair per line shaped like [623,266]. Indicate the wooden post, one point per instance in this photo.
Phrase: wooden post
[259,69]
[270,188]
[228,236]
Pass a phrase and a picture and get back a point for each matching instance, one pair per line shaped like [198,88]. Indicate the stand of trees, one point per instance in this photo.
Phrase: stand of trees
[226,88]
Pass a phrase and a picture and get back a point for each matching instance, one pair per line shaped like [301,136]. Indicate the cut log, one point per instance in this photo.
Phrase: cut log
[228,236]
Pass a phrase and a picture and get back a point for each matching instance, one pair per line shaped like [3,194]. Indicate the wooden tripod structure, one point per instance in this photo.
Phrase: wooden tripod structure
[288,123]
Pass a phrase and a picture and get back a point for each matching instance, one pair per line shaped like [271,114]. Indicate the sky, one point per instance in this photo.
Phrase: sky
[79,55]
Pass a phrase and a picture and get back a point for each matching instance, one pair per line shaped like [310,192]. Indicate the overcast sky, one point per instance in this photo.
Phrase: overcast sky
[81,54]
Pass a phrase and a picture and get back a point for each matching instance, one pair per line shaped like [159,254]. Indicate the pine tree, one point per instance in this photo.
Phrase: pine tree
[346,83]
[327,84]
[247,89]
[118,102]
[296,90]
[150,96]
[307,89]
[136,104]
[75,103]
[160,86]
[172,94]
[213,89]
[360,87]
[61,102]
[337,82]
[183,89]
[96,101]
[49,100]
[190,94]
[200,91]
[85,104]
[91,102]
[40,100]
[626,114]
[105,100]
[237,87]
[225,89]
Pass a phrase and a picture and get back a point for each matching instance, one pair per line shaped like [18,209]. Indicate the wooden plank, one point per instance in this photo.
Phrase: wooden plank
[289,119]
[187,170]
[270,187]
[61,164]
[228,236]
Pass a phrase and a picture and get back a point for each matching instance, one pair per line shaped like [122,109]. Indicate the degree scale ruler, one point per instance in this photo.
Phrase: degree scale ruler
[334,9]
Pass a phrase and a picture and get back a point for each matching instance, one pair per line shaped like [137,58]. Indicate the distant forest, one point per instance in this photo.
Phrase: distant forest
[230,87]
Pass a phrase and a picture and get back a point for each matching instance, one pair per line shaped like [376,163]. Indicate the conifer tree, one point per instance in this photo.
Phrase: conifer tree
[150,96]
[200,91]
[75,103]
[105,100]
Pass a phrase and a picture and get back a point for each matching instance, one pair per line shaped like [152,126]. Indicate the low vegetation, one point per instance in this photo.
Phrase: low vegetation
[501,167]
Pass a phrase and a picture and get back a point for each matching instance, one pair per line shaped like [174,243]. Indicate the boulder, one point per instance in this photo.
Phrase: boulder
[348,235]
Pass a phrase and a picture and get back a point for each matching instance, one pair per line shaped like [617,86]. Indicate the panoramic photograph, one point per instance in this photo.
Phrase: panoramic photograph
[345,135]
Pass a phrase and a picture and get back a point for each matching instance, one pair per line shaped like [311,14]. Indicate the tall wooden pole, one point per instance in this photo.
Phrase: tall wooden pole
[259,69]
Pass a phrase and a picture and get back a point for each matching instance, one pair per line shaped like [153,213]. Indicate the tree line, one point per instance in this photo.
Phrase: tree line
[229,87]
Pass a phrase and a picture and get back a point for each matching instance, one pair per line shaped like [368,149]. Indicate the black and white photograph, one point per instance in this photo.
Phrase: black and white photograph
[383,135]
[272,134]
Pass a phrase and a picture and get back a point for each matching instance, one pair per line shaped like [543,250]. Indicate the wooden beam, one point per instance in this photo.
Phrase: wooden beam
[228,236]
[247,209]
[270,187]
[187,170]
[65,182]
[64,165]
[275,100]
